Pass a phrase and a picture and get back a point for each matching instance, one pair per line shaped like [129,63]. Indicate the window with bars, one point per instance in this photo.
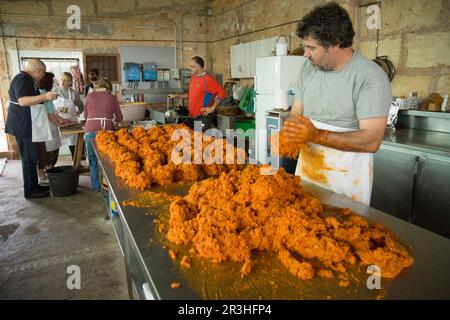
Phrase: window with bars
[55,65]
[107,65]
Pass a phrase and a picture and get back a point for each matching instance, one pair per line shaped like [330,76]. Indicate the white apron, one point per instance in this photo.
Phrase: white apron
[67,110]
[102,121]
[346,173]
[55,142]
[39,123]
[40,129]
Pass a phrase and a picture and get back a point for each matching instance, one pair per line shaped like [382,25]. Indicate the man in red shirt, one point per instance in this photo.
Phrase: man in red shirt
[205,93]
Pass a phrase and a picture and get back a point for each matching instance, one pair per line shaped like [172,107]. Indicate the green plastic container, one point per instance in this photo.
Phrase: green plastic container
[245,125]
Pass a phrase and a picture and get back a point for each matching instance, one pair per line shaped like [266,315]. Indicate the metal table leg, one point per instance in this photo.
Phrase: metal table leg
[104,193]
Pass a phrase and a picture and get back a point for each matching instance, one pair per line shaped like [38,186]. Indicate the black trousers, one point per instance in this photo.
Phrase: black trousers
[45,158]
[28,157]
[41,154]
[207,122]
[52,157]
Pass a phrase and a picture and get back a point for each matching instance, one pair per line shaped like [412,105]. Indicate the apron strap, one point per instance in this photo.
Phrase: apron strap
[102,121]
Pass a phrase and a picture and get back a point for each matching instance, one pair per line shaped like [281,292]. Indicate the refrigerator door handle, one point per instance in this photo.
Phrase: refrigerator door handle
[255,105]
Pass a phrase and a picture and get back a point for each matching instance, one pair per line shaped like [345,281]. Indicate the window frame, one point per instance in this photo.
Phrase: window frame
[87,67]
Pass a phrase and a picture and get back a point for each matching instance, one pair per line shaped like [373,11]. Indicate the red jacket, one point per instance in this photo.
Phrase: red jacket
[202,92]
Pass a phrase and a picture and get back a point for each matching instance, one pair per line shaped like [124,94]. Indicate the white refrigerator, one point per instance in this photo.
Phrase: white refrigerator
[272,73]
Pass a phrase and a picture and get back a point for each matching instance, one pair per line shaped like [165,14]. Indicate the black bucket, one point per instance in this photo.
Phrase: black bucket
[63,180]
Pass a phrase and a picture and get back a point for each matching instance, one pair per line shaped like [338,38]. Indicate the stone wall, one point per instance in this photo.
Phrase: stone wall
[414,34]
[105,26]
[239,21]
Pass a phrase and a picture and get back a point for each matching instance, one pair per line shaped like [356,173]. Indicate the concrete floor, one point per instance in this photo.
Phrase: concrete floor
[41,238]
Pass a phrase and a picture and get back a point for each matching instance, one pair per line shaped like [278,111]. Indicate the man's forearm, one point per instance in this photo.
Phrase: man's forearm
[355,141]
[217,101]
[297,108]
[52,118]
[31,101]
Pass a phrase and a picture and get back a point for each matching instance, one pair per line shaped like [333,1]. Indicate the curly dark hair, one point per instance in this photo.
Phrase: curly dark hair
[330,24]
[46,82]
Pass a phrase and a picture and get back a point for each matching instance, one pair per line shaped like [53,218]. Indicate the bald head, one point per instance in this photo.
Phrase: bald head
[34,64]
[36,69]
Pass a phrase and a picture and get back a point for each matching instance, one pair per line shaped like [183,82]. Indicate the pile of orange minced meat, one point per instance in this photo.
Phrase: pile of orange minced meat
[242,211]
[143,157]
[229,217]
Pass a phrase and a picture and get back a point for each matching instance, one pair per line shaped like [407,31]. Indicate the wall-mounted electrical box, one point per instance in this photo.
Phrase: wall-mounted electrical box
[132,71]
[185,78]
[149,71]
[175,74]
[166,74]
[160,75]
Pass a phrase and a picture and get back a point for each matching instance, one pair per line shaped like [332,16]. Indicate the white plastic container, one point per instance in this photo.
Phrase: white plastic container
[281,47]
[133,111]
[444,105]
[281,99]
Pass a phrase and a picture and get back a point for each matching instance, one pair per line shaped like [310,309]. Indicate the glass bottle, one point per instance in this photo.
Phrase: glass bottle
[413,101]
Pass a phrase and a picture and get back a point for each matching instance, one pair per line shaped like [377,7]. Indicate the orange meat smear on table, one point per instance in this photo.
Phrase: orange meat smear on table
[185,262]
[149,199]
[144,157]
[175,285]
[227,218]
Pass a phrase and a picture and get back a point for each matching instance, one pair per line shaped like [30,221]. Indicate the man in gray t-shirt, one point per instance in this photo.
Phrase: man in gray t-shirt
[338,86]
[359,90]
[341,106]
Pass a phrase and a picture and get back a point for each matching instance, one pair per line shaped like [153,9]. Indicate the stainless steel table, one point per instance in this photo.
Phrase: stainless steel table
[419,140]
[151,271]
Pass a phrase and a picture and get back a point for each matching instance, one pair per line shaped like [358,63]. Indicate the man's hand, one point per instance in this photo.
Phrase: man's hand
[207,111]
[50,96]
[65,123]
[300,129]
[62,122]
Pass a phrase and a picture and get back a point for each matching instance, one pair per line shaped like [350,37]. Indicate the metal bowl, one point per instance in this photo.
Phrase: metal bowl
[171,115]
